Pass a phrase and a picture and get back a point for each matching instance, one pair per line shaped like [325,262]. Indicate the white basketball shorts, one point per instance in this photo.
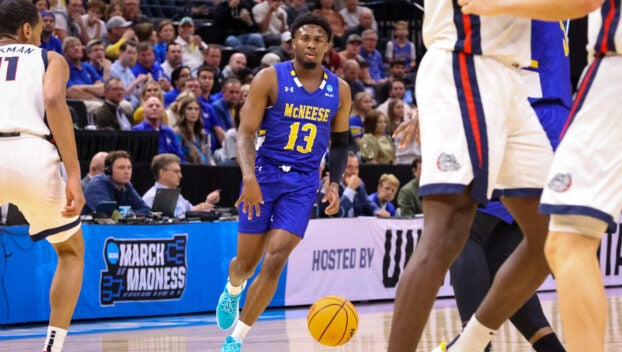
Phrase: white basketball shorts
[30,179]
[586,174]
[478,128]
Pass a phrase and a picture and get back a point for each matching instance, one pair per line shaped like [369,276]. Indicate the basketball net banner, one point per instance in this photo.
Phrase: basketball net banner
[363,259]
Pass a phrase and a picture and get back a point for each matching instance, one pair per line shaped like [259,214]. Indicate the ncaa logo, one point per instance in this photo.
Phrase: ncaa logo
[329,88]
[560,182]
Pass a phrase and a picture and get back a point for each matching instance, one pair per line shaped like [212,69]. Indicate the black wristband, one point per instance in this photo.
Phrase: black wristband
[338,157]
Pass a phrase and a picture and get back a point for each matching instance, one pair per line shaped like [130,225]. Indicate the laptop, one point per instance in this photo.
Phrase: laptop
[104,209]
[165,201]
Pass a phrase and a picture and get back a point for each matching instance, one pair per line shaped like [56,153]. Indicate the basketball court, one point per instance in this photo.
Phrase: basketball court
[279,330]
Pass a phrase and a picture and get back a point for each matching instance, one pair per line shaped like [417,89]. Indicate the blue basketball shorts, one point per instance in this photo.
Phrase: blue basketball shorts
[288,201]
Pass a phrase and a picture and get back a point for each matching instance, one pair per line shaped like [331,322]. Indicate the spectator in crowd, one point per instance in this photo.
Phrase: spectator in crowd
[195,143]
[122,69]
[114,185]
[366,21]
[237,63]
[166,170]
[173,110]
[376,146]
[115,8]
[352,12]
[166,36]
[84,82]
[388,185]
[397,70]
[352,49]
[131,10]
[111,116]
[206,76]
[191,44]
[267,60]
[354,200]
[332,61]
[285,51]
[49,41]
[351,73]
[118,33]
[295,8]
[408,201]
[227,154]
[193,86]
[144,31]
[146,63]
[153,108]
[95,27]
[179,77]
[398,91]
[401,48]
[72,24]
[271,19]
[97,58]
[213,57]
[373,56]
[57,6]
[361,106]
[150,89]
[42,5]
[326,8]
[225,107]
[395,115]
[96,167]
[173,60]
[236,24]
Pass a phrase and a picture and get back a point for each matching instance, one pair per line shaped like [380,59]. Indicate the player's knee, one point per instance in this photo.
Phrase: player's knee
[273,263]
[72,248]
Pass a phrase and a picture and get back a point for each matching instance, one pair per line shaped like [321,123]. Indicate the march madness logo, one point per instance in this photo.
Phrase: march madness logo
[143,270]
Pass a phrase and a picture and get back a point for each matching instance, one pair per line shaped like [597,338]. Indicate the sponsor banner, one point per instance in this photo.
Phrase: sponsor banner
[363,259]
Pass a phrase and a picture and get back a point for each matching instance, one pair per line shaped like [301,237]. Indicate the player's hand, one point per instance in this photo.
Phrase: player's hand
[332,197]
[75,198]
[251,197]
[408,131]
[480,7]
[354,182]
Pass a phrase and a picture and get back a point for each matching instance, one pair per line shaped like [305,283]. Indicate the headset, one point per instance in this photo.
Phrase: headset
[108,165]
[111,157]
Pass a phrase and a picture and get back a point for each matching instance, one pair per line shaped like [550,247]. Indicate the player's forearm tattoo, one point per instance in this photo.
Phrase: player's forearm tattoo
[246,154]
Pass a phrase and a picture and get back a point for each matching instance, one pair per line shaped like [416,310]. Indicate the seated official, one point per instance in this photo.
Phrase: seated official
[354,199]
[166,170]
[114,185]
[388,185]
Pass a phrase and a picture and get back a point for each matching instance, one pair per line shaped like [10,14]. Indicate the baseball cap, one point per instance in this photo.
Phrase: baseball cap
[48,14]
[354,38]
[116,22]
[186,20]
[93,42]
[286,36]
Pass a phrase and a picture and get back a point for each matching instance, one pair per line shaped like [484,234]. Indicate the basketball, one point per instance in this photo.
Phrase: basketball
[332,320]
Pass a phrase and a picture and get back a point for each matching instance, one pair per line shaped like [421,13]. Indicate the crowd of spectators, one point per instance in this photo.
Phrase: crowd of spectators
[151,71]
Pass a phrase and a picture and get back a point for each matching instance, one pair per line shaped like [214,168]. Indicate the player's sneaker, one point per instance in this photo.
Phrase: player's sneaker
[232,344]
[227,310]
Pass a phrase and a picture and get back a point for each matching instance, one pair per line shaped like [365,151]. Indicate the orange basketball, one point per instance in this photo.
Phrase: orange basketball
[332,320]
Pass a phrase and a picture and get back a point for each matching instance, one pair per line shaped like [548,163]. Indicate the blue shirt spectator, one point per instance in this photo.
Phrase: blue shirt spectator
[167,141]
[48,39]
[86,74]
[390,208]
[371,55]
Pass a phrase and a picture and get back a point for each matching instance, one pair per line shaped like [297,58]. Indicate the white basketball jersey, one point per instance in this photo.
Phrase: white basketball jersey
[21,89]
[506,38]
[605,29]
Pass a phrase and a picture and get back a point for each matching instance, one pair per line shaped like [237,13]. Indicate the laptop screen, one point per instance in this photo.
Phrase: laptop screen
[165,201]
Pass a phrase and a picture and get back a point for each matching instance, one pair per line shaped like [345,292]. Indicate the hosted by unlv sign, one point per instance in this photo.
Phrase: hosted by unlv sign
[364,258]
[143,270]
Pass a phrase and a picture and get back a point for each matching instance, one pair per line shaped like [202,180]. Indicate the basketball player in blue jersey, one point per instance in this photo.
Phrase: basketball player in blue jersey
[35,128]
[297,107]
[582,193]
[494,233]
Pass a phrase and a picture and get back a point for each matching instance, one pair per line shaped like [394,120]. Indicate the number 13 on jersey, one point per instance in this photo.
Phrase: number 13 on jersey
[307,134]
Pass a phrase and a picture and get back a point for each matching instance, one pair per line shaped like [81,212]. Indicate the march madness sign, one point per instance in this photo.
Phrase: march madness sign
[143,270]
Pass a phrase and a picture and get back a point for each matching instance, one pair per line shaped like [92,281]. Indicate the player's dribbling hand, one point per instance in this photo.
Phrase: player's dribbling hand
[479,7]
[75,198]
[332,197]
[251,197]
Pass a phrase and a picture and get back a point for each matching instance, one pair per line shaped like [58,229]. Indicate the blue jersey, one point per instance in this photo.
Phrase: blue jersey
[551,66]
[295,130]
[549,59]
